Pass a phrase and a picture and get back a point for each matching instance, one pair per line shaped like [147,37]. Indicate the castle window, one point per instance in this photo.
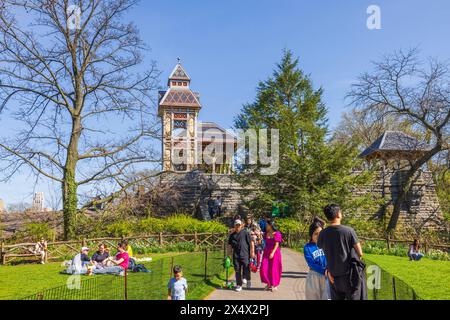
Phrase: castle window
[180,84]
[174,83]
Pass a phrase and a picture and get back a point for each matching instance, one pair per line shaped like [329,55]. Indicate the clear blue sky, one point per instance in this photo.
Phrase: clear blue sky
[227,47]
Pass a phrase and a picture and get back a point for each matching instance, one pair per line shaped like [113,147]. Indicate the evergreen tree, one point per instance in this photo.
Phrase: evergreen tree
[312,170]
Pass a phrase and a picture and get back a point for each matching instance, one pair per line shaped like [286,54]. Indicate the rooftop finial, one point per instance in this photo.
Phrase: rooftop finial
[179,60]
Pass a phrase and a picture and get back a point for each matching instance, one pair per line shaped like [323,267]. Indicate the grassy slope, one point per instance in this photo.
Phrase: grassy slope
[23,280]
[429,278]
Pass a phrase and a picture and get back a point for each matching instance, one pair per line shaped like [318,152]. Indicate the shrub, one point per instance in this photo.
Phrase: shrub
[150,226]
[37,231]
[121,229]
[291,225]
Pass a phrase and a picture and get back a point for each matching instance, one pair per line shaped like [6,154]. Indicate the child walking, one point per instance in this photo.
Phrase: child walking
[177,286]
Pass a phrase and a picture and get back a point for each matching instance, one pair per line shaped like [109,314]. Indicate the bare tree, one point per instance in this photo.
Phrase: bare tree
[71,78]
[359,127]
[403,86]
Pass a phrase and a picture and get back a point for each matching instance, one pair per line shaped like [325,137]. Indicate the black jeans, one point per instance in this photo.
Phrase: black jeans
[242,269]
[341,289]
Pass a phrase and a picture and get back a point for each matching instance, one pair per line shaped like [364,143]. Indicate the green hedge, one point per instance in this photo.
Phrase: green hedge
[177,224]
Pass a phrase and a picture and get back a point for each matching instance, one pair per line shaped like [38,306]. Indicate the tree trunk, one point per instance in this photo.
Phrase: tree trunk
[406,187]
[69,187]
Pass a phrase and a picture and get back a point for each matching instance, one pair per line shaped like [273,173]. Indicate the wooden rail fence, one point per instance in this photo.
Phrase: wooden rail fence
[67,249]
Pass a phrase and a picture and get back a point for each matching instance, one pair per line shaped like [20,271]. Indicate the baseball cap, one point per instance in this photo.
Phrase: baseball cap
[85,249]
[236,222]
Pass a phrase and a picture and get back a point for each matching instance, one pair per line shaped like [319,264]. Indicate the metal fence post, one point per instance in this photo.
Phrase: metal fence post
[206,264]
[126,285]
[394,289]
[171,268]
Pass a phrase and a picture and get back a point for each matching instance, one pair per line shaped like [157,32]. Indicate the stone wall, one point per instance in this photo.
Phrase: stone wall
[191,192]
[421,210]
[422,207]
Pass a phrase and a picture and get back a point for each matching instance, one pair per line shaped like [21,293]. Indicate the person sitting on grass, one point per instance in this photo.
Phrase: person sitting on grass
[99,257]
[85,260]
[177,286]
[119,262]
[414,253]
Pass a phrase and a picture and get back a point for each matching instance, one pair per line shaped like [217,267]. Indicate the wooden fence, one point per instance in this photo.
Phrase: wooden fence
[67,249]
[390,243]
[295,239]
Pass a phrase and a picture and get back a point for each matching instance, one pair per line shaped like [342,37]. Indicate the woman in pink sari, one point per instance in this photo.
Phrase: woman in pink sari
[271,266]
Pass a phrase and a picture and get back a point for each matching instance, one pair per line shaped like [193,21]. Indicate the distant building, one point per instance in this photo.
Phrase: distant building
[2,206]
[38,202]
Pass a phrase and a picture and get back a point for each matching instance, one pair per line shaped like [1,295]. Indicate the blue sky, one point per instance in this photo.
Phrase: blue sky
[227,47]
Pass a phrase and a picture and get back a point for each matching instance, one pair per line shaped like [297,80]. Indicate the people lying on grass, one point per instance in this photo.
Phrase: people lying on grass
[100,256]
[41,249]
[177,286]
[316,286]
[414,253]
[116,265]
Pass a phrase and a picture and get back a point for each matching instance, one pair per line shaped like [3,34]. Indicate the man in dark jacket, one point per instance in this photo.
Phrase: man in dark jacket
[239,241]
[340,243]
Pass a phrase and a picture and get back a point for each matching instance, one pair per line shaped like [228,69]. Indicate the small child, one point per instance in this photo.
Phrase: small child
[177,286]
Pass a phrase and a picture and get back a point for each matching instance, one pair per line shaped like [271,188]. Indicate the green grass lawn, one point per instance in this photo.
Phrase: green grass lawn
[429,278]
[20,281]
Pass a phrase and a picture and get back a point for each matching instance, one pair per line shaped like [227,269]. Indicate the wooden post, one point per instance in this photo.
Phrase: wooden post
[195,240]
[388,243]
[160,239]
[289,242]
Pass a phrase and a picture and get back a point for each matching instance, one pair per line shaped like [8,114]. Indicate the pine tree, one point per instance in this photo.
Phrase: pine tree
[312,170]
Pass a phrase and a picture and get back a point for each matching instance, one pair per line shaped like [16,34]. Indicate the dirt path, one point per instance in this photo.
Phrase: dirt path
[292,286]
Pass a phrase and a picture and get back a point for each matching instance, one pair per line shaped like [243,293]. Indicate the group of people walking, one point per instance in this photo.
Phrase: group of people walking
[256,247]
[333,255]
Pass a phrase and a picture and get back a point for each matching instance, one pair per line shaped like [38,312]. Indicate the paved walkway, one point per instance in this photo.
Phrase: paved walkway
[292,286]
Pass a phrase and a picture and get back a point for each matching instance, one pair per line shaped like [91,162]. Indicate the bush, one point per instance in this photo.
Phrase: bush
[121,229]
[150,226]
[177,224]
[291,225]
[37,231]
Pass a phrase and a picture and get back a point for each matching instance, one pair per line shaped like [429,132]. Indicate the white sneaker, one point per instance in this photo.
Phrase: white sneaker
[238,289]
[249,284]
[244,281]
